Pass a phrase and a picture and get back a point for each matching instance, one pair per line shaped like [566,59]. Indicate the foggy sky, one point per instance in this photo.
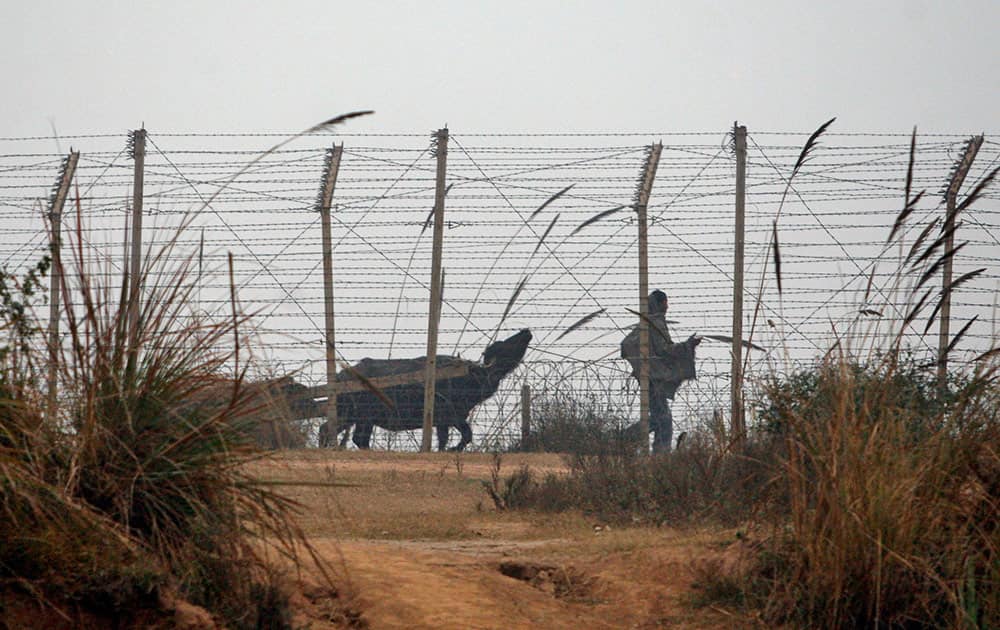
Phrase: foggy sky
[499,66]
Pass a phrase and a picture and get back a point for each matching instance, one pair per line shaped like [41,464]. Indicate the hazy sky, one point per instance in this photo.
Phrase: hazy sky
[86,66]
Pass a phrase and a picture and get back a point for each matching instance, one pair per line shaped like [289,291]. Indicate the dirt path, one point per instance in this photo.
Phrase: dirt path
[411,537]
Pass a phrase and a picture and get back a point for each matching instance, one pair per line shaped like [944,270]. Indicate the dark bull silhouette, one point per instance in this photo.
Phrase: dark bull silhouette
[454,398]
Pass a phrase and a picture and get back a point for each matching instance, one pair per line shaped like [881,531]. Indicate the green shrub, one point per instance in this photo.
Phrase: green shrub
[902,383]
[17,301]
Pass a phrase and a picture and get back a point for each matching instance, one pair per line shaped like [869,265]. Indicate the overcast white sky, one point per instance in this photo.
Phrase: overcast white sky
[86,66]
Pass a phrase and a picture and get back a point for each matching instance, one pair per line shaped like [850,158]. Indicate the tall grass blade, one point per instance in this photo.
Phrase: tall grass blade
[904,214]
[868,286]
[933,247]
[326,124]
[201,253]
[510,302]
[909,168]
[547,230]
[961,333]
[777,255]
[908,204]
[583,321]
[992,352]
[933,315]
[978,190]
[948,290]
[809,146]
[920,239]
[430,215]
[550,200]
[336,120]
[427,221]
[728,339]
[966,277]
[938,263]
[597,217]
[236,330]
[915,310]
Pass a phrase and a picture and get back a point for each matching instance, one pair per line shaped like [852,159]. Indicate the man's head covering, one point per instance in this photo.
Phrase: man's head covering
[657,302]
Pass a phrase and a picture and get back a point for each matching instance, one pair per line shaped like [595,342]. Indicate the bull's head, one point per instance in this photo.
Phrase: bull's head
[502,357]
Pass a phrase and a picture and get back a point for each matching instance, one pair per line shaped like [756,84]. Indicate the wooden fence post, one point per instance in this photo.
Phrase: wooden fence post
[951,201]
[434,309]
[138,141]
[737,418]
[641,204]
[55,276]
[324,202]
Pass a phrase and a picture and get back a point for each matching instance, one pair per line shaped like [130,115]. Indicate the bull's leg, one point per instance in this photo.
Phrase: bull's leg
[466,431]
[324,435]
[362,435]
[442,431]
[326,438]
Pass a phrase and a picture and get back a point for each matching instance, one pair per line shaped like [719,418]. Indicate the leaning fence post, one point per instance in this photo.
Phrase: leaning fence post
[951,200]
[641,203]
[737,417]
[138,142]
[434,310]
[55,275]
[323,205]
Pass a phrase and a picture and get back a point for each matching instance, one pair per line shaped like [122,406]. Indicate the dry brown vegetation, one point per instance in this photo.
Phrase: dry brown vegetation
[128,499]
[422,546]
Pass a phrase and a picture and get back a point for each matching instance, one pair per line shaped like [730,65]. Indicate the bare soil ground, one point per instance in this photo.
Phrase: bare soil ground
[416,543]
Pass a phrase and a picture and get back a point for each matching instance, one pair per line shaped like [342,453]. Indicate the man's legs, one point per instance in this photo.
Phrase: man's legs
[661,421]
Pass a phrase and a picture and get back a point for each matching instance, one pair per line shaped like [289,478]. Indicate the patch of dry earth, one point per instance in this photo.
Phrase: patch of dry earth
[411,537]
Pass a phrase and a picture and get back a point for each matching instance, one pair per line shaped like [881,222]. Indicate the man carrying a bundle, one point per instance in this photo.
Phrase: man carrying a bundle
[670,364]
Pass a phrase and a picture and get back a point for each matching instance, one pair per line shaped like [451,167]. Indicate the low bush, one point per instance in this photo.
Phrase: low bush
[894,508]
[562,424]
[700,481]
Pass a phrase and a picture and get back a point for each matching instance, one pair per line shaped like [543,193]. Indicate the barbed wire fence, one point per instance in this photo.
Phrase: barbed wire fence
[833,227]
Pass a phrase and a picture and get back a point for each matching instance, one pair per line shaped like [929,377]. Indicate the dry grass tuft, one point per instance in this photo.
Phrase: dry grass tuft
[136,486]
[894,496]
[891,476]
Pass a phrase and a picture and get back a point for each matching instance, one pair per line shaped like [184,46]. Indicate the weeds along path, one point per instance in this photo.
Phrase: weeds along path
[419,545]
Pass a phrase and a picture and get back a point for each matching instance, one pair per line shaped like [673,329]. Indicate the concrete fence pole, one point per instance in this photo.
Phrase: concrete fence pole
[324,202]
[138,142]
[55,276]
[434,310]
[737,417]
[641,203]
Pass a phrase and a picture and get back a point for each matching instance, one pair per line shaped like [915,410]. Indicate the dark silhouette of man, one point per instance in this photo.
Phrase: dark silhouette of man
[670,364]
